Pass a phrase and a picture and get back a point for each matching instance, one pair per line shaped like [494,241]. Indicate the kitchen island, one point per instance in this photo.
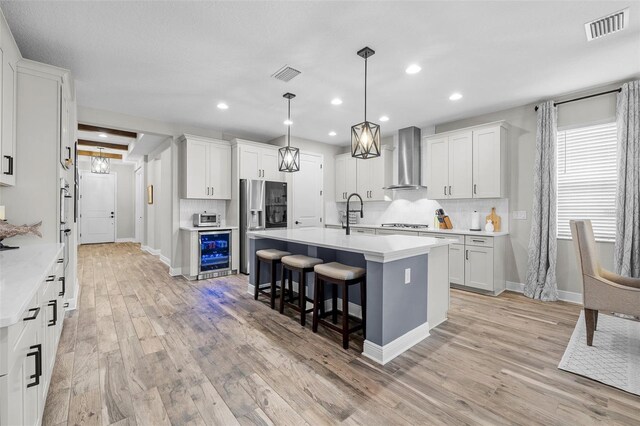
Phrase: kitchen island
[407,280]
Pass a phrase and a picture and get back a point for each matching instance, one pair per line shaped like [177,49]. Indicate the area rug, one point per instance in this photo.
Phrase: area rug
[614,358]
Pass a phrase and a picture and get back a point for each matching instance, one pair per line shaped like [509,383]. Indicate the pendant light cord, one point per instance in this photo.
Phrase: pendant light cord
[365,88]
[289,126]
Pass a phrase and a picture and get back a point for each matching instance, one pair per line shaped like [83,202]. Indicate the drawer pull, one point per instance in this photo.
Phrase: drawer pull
[479,241]
[60,260]
[64,287]
[54,305]
[38,355]
[66,305]
[50,278]
[35,311]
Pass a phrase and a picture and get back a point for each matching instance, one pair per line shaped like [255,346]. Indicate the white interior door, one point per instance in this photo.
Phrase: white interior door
[139,205]
[97,208]
[307,191]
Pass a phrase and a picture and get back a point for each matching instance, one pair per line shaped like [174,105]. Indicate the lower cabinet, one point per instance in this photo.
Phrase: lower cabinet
[478,266]
[456,263]
[28,352]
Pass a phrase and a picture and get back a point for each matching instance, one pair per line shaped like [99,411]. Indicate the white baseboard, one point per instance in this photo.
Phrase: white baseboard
[73,303]
[384,354]
[565,296]
[174,272]
[165,260]
[125,240]
[150,250]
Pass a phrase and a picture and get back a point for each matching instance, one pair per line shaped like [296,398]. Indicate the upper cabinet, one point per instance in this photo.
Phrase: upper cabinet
[366,177]
[205,168]
[8,78]
[469,163]
[258,162]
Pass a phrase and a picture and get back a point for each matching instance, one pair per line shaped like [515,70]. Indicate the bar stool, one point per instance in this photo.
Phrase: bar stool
[272,257]
[338,274]
[302,265]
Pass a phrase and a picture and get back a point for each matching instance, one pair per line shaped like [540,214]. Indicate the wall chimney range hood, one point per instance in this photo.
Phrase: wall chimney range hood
[408,160]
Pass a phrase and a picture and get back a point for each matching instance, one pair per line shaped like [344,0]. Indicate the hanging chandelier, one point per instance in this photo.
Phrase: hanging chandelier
[365,136]
[288,156]
[100,164]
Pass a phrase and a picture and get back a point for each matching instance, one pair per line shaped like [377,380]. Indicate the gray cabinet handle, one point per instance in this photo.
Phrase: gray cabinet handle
[207,190]
[449,190]
[467,254]
[445,190]
[475,188]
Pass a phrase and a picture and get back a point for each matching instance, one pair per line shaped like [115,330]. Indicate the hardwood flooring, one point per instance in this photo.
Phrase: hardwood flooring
[145,348]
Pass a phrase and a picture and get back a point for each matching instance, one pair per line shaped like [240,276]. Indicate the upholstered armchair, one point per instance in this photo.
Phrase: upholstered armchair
[602,290]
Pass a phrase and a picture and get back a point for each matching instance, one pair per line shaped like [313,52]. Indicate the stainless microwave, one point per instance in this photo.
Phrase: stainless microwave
[206,219]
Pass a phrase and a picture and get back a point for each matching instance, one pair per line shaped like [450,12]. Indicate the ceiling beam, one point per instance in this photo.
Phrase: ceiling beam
[89,128]
[97,154]
[86,142]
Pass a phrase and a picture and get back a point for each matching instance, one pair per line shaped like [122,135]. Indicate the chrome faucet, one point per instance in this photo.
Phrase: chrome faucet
[355,194]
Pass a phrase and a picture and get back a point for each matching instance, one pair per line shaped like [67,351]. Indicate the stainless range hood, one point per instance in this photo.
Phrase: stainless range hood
[408,160]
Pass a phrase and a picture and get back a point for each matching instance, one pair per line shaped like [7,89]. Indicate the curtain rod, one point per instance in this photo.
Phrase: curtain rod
[586,97]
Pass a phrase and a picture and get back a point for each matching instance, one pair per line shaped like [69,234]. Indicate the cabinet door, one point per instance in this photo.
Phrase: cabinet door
[363,178]
[456,263]
[219,172]
[196,170]
[479,267]
[460,165]
[269,166]
[370,180]
[351,175]
[486,163]
[8,132]
[437,167]
[341,177]
[250,162]
[25,403]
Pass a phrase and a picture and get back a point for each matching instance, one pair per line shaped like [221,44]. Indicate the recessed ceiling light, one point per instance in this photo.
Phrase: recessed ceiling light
[288,122]
[102,135]
[336,101]
[332,133]
[384,118]
[413,69]
[222,105]
[455,96]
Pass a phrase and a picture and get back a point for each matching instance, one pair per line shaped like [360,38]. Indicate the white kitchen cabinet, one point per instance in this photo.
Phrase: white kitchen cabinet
[259,163]
[456,263]
[346,176]
[8,79]
[206,168]
[479,267]
[467,163]
[366,177]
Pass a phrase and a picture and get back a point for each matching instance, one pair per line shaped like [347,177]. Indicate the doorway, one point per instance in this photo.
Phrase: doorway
[139,205]
[97,208]
[307,191]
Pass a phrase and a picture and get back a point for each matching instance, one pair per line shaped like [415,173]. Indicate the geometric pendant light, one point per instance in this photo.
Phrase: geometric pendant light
[100,164]
[365,136]
[288,156]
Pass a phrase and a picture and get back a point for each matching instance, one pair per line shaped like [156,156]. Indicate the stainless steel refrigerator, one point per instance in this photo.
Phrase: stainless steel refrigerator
[263,205]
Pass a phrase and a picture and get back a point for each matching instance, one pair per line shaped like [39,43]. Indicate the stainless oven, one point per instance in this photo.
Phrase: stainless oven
[206,219]
[214,254]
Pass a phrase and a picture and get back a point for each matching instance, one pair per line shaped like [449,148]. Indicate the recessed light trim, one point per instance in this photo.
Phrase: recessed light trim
[332,133]
[336,101]
[288,122]
[384,118]
[413,69]
[455,96]
[222,105]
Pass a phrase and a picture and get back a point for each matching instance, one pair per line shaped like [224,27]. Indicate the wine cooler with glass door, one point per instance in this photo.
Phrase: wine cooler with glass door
[214,254]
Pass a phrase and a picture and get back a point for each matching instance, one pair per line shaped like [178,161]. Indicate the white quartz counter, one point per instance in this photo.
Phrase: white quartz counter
[379,248]
[207,228]
[429,229]
[22,272]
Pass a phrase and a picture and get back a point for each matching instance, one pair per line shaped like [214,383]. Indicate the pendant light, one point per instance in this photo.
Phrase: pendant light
[288,156]
[100,164]
[365,136]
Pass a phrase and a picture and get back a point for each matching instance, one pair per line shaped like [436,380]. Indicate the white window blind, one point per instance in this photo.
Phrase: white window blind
[587,176]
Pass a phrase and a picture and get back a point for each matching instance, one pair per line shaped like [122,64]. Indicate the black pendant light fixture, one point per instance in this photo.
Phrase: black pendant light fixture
[365,136]
[288,156]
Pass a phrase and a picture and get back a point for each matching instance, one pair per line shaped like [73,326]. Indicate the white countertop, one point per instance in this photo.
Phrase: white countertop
[429,229]
[22,272]
[379,248]
[207,228]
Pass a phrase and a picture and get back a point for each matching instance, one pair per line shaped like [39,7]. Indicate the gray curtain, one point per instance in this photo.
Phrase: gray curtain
[541,275]
[627,247]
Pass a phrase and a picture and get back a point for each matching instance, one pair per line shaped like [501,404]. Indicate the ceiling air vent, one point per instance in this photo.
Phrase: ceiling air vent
[607,25]
[285,73]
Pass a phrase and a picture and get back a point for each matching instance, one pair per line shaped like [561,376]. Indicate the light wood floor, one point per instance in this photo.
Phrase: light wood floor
[144,348]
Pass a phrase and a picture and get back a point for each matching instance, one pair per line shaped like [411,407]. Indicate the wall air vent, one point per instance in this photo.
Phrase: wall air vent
[607,25]
[285,73]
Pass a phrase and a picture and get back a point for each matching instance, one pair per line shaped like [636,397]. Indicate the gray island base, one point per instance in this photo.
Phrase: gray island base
[407,280]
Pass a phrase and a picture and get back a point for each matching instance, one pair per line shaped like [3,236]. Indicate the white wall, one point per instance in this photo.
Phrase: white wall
[522,139]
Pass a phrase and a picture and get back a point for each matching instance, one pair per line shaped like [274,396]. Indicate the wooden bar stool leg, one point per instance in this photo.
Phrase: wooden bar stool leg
[283,282]
[257,286]
[290,285]
[363,304]
[316,301]
[334,303]
[273,284]
[303,297]
[345,316]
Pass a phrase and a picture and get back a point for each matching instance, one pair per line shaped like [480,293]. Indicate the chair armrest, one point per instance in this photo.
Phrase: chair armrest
[605,295]
[619,279]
